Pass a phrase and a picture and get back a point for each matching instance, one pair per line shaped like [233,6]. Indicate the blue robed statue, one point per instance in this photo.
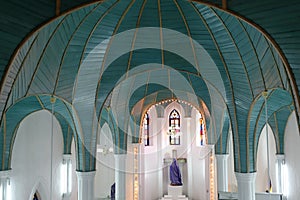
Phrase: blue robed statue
[175,175]
[113,191]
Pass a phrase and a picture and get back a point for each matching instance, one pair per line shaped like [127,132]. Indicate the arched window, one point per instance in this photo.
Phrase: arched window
[36,196]
[174,127]
[146,130]
[202,131]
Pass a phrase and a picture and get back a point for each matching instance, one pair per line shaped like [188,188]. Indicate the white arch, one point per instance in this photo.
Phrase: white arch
[39,187]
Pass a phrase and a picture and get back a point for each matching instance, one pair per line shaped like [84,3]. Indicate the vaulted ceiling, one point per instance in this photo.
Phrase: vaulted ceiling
[121,54]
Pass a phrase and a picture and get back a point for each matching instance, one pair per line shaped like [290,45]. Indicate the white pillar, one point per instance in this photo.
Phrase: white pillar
[158,129]
[120,176]
[142,172]
[86,185]
[222,172]
[246,185]
[279,172]
[5,185]
[190,136]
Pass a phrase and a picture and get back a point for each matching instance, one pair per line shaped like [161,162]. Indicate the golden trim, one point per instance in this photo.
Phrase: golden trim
[221,130]
[277,134]
[107,50]
[37,66]
[254,50]
[277,67]
[126,127]
[67,150]
[161,35]
[76,134]
[17,74]
[40,101]
[256,124]
[134,37]
[68,44]
[224,4]
[189,34]
[4,141]
[237,50]
[57,9]
[235,129]
[288,69]
[12,141]
[35,30]
[87,40]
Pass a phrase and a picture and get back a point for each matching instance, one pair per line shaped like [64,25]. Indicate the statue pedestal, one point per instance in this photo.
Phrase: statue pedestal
[175,193]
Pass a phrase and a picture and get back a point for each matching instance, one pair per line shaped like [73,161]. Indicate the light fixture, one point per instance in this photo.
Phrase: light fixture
[174,131]
[52,101]
[5,185]
[66,176]
[212,174]
[105,150]
[135,174]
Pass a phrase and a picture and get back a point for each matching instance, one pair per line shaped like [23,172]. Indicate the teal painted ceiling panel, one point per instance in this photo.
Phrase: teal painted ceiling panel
[83,55]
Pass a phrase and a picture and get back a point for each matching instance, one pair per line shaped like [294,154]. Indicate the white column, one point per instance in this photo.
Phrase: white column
[142,172]
[5,185]
[158,129]
[190,137]
[279,172]
[246,185]
[120,176]
[222,172]
[86,185]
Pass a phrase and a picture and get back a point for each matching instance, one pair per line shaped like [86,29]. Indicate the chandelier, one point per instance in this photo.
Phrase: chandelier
[174,130]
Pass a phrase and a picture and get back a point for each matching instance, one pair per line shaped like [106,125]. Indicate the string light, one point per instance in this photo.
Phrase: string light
[212,175]
[135,175]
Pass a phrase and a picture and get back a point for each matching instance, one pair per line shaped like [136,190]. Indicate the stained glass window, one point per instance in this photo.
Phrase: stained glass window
[174,127]
[201,132]
[146,130]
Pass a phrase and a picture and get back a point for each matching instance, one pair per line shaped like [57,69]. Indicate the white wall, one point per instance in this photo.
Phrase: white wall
[31,158]
[194,173]
[232,183]
[105,165]
[292,149]
[262,162]
[74,194]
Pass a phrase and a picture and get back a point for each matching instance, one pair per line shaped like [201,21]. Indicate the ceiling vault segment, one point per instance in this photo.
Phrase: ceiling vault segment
[221,56]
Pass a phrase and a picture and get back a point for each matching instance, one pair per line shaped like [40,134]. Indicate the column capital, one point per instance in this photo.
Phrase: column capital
[280,156]
[222,156]
[67,156]
[5,174]
[86,175]
[120,156]
[245,177]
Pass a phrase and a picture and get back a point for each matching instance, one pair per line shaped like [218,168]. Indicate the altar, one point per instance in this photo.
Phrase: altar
[174,191]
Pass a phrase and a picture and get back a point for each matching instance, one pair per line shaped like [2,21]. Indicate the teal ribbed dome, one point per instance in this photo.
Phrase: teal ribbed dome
[119,53]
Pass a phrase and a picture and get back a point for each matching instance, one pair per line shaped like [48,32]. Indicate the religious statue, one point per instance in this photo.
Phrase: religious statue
[113,191]
[175,175]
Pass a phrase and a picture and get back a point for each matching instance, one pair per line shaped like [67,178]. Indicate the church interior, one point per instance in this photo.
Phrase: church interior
[149,100]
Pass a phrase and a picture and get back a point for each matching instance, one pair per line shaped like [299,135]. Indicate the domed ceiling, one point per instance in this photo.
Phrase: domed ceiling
[124,54]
